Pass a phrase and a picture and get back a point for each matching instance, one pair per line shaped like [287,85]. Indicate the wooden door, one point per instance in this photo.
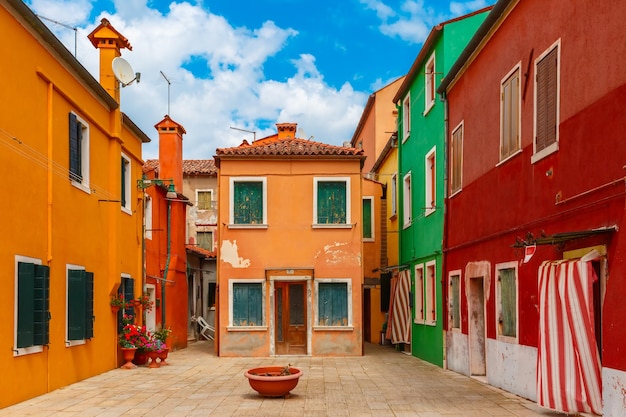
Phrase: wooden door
[290,313]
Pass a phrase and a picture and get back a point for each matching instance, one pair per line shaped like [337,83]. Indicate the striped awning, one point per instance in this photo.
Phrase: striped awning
[568,362]
[399,322]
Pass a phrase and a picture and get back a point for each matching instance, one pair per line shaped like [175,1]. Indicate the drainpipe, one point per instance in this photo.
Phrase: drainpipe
[167,261]
[444,242]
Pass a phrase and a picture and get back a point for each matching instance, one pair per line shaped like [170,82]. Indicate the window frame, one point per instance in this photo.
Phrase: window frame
[83,183]
[553,147]
[513,265]
[231,306]
[89,307]
[232,224]
[148,213]
[207,232]
[430,181]
[406,117]
[407,201]
[451,307]
[125,192]
[430,84]
[372,221]
[456,159]
[506,103]
[28,350]
[394,195]
[418,296]
[209,191]
[430,294]
[316,312]
[316,224]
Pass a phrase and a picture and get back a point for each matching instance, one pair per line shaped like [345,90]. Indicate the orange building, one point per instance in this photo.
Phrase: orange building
[290,249]
[165,252]
[71,233]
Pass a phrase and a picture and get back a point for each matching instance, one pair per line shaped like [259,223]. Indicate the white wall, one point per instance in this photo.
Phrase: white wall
[513,368]
[457,357]
[613,392]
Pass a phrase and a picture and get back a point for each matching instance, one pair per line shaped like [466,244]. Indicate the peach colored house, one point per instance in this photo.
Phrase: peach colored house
[374,134]
[290,249]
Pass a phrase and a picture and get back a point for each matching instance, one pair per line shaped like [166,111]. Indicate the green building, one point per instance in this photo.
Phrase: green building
[422,179]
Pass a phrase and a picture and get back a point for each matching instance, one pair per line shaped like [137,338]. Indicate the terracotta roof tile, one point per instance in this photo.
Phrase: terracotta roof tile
[190,166]
[201,251]
[288,147]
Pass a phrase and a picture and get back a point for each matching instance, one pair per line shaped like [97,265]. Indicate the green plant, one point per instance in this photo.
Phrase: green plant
[145,302]
[118,301]
[162,334]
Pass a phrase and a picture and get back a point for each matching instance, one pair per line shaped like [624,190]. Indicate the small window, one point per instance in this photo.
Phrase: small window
[406,199]
[406,118]
[331,201]
[125,186]
[510,114]
[430,87]
[334,306]
[456,165]
[546,102]
[430,185]
[506,299]
[248,201]
[79,152]
[368,218]
[430,293]
[80,316]
[419,294]
[204,199]
[32,306]
[148,216]
[394,195]
[454,299]
[247,304]
[205,240]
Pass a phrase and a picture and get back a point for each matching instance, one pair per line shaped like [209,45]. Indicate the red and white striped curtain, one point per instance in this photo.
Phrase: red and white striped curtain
[399,321]
[568,362]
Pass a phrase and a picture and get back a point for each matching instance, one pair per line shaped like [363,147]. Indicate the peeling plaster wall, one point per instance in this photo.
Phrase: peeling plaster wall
[339,253]
[613,392]
[229,253]
[512,367]
[457,358]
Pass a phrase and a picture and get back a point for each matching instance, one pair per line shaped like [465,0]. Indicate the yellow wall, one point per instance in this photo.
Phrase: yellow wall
[289,242]
[52,221]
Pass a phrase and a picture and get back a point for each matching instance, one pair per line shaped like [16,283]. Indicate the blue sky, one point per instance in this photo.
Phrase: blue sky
[253,63]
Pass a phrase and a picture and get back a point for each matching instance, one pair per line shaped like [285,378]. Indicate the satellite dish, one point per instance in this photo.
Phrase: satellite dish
[124,72]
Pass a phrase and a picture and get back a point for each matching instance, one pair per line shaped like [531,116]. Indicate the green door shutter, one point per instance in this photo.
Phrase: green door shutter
[89,317]
[76,304]
[25,310]
[41,303]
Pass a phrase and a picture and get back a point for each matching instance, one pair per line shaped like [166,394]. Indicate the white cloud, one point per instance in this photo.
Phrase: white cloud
[70,12]
[460,8]
[228,86]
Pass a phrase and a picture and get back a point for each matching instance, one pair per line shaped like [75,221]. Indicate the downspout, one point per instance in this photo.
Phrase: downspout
[167,261]
[444,239]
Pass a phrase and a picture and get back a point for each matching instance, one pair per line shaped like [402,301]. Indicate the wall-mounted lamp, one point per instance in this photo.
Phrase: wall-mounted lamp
[171,189]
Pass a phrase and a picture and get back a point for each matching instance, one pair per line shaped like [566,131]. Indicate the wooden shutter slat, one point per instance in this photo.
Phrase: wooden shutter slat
[89,317]
[41,303]
[546,111]
[25,309]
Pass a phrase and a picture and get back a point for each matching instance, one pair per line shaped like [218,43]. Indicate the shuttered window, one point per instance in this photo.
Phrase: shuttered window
[430,88]
[368,224]
[430,185]
[507,302]
[331,202]
[406,118]
[247,304]
[455,302]
[510,114]
[333,304]
[33,305]
[204,199]
[125,186]
[546,100]
[407,198]
[79,304]
[456,165]
[76,139]
[205,240]
[248,202]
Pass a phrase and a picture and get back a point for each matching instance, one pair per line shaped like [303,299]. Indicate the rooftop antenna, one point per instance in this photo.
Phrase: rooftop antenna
[168,92]
[74,28]
[244,130]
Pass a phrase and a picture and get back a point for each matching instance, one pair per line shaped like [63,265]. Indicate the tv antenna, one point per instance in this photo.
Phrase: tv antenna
[244,130]
[65,25]
[124,72]
[168,91]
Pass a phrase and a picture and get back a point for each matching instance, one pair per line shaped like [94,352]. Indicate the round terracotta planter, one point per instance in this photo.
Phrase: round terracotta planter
[128,354]
[269,382]
[163,355]
[153,356]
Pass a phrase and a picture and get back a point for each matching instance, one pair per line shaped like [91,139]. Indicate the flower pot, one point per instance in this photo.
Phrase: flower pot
[163,355]
[153,355]
[141,357]
[128,354]
[115,309]
[269,382]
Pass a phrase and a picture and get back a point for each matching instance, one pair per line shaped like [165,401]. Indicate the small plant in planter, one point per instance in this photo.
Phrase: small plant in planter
[162,334]
[118,302]
[145,302]
[273,381]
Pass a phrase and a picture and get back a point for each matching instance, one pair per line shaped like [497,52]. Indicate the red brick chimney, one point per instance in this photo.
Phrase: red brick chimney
[171,151]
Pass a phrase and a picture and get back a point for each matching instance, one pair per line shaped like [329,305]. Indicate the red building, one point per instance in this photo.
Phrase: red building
[536,165]
[165,252]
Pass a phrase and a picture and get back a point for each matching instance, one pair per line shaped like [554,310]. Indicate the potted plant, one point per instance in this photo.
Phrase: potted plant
[154,349]
[144,302]
[117,302]
[162,335]
[273,381]
[126,340]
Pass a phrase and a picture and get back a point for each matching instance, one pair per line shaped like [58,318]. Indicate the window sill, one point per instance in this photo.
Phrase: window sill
[247,226]
[428,107]
[333,328]
[507,339]
[70,343]
[455,192]
[127,211]
[513,155]
[544,152]
[27,351]
[81,186]
[393,217]
[369,240]
[246,328]
[332,226]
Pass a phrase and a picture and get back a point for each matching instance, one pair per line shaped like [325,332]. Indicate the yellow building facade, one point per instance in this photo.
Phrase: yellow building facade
[71,233]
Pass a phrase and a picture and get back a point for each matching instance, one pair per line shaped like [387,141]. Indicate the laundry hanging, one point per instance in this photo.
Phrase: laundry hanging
[568,362]
[400,309]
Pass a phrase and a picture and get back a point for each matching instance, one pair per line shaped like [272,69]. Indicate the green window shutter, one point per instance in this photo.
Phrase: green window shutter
[25,304]
[129,293]
[204,200]
[76,290]
[333,304]
[331,202]
[248,202]
[123,185]
[247,304]
[367,218]
[89,317]
[41,301]
[508,302]
[75,148]
[456,302]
